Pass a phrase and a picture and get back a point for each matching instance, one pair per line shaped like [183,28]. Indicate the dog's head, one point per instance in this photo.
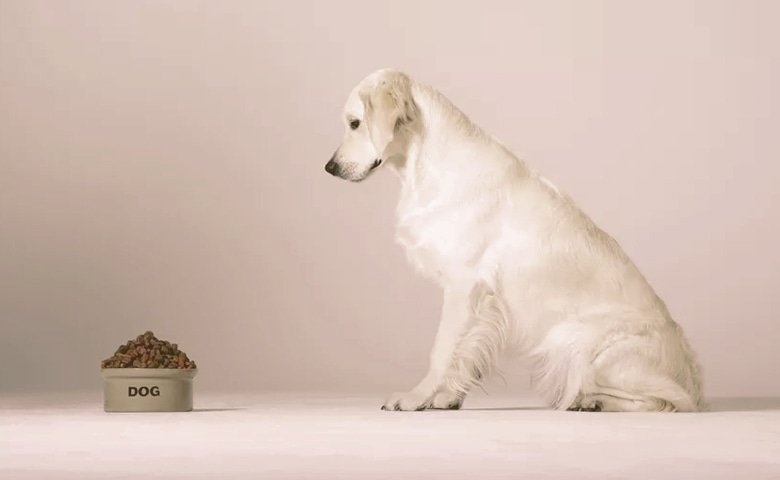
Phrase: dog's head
[376,111]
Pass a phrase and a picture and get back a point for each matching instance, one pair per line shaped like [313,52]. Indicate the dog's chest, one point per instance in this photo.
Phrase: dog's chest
[441,242]
[423,253]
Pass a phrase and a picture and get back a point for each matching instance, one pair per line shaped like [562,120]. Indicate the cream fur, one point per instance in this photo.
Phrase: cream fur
[521,266]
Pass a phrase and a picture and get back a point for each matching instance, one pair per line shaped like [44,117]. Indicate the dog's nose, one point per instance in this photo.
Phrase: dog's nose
[332,167]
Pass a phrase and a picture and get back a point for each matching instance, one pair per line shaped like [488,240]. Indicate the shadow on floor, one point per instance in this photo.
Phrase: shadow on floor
[489,409]
[722,404]
[746,404]
[217,409]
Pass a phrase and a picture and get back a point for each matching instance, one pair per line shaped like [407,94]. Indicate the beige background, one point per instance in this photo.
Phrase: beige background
[161,168]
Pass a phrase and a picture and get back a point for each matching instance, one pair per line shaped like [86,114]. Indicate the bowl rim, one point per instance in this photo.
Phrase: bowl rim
[148,372]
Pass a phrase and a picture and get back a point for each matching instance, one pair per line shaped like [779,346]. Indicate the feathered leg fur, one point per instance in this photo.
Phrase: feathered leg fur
[471,336]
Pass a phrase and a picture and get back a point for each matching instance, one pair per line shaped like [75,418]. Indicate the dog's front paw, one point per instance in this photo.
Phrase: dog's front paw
[447,401]
[407,401]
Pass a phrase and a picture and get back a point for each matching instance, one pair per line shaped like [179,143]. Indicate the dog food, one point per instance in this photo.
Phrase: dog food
[147,351]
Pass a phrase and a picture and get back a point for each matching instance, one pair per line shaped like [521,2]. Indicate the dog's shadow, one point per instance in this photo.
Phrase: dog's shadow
[743,404]
[497,409]
[716,405]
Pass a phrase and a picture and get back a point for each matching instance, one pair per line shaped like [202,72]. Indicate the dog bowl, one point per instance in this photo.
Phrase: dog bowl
[147,389]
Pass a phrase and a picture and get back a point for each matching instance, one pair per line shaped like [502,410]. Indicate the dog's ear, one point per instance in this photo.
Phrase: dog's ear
[388,106]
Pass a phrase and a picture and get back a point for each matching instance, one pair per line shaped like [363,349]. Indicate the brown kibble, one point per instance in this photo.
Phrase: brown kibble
[147,351]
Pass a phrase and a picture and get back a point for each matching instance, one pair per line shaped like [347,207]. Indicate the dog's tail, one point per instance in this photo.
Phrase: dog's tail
[688,376]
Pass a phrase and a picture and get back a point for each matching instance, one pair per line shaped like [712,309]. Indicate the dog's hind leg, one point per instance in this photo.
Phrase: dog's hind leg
[628,376]
[655,394]
[469,339]
[622,402]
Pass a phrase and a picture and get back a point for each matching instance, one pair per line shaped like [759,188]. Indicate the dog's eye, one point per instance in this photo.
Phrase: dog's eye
[354,124]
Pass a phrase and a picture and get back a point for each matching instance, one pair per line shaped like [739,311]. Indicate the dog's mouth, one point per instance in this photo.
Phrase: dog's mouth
[348,173]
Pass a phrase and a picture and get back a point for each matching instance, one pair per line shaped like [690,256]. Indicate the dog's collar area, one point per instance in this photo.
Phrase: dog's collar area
[376,163]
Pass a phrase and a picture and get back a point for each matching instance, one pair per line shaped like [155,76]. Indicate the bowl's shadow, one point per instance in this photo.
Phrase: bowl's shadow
[228,409]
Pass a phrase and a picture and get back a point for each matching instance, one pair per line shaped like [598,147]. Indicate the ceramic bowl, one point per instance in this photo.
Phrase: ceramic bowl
[147,389]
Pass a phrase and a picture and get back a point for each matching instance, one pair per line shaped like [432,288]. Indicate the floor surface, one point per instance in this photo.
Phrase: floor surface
[295,436]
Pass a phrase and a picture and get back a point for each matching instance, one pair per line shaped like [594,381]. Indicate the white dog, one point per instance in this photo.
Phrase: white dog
[521,266]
